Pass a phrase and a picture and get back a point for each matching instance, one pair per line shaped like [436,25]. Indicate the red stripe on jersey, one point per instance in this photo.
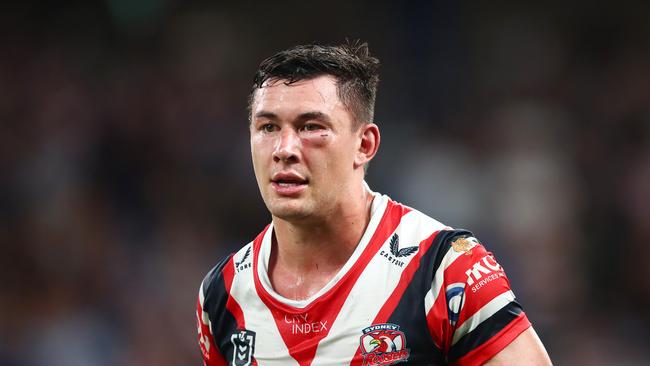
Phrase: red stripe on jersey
[483,277]
[438,322]
[231,304]
[302,329]
[210,353]
[216,362]
[393,300]
[498,342]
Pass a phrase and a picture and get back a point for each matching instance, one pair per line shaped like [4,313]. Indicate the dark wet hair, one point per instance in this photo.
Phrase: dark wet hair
[355,70]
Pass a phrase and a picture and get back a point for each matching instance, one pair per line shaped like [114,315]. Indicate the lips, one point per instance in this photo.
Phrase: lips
[288,183]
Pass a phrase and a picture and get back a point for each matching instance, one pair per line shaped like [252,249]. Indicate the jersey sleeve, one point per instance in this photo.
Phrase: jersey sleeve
[210,299]
[209,351]
[473,312]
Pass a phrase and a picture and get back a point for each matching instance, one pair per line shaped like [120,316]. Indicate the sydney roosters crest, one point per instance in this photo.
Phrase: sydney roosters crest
[383,344]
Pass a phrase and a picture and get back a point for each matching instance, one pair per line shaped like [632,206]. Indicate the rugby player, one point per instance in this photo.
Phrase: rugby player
[343,275]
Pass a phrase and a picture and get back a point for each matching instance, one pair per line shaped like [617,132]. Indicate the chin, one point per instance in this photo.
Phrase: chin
[289,211]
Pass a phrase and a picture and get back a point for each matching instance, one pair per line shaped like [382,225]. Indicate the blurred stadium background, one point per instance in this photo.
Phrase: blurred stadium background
[126,171]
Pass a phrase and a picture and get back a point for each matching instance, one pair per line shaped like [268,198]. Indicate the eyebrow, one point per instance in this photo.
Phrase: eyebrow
[315,115]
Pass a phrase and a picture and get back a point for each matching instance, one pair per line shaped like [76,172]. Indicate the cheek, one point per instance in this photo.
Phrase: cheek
[260,147]
[328,155]
[316,139]
[259,160]
[316,150]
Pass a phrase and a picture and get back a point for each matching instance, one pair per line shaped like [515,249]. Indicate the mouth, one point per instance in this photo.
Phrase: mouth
[288,184]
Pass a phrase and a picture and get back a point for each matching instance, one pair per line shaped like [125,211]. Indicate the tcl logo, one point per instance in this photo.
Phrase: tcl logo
[485,266]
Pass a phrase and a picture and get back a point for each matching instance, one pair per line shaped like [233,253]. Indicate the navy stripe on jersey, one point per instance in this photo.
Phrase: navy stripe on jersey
[223,322]
[412,322]
[485,331]
[442,245]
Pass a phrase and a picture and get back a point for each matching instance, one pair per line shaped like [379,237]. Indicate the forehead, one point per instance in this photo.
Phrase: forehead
[318,94]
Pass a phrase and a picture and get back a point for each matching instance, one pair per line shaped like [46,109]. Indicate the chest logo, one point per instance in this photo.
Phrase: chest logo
[243,343]
[396,255]
[383,344]
[397,252]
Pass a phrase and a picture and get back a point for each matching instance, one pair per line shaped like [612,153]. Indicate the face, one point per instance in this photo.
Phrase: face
[304,149]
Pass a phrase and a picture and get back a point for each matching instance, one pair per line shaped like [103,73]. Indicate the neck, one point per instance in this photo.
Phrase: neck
[316,250]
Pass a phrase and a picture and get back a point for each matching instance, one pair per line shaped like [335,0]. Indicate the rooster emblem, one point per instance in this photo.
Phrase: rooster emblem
[383,344]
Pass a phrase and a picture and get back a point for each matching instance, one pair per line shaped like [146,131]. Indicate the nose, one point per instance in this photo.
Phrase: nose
[287,146]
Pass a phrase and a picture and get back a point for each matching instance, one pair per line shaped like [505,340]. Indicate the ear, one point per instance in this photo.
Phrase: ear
[368,144]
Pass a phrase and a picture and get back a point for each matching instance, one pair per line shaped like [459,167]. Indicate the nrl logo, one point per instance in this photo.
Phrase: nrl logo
[243,343]
[464,245]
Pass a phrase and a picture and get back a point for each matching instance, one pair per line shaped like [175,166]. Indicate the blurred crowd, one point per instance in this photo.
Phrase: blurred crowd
[126,172]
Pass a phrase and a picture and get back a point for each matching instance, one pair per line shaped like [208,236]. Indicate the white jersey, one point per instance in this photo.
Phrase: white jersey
[413,291]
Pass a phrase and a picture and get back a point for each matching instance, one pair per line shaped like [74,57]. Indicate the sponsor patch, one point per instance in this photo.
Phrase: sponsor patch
[383,344]
[485,266]
[304,324]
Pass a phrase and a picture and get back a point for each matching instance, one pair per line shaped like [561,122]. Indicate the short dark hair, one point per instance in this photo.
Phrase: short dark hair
[355,70]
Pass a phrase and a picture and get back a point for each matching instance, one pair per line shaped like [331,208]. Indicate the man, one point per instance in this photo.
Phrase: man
[343,275]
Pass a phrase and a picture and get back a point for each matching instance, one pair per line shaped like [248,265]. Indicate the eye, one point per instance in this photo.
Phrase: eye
[309,127]
[268,127]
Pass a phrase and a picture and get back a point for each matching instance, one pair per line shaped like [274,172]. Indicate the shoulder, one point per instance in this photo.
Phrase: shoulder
[445,248]
[442,236]
[217,280]
[471,311]
[479,314]
[212,305]
[415,220]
